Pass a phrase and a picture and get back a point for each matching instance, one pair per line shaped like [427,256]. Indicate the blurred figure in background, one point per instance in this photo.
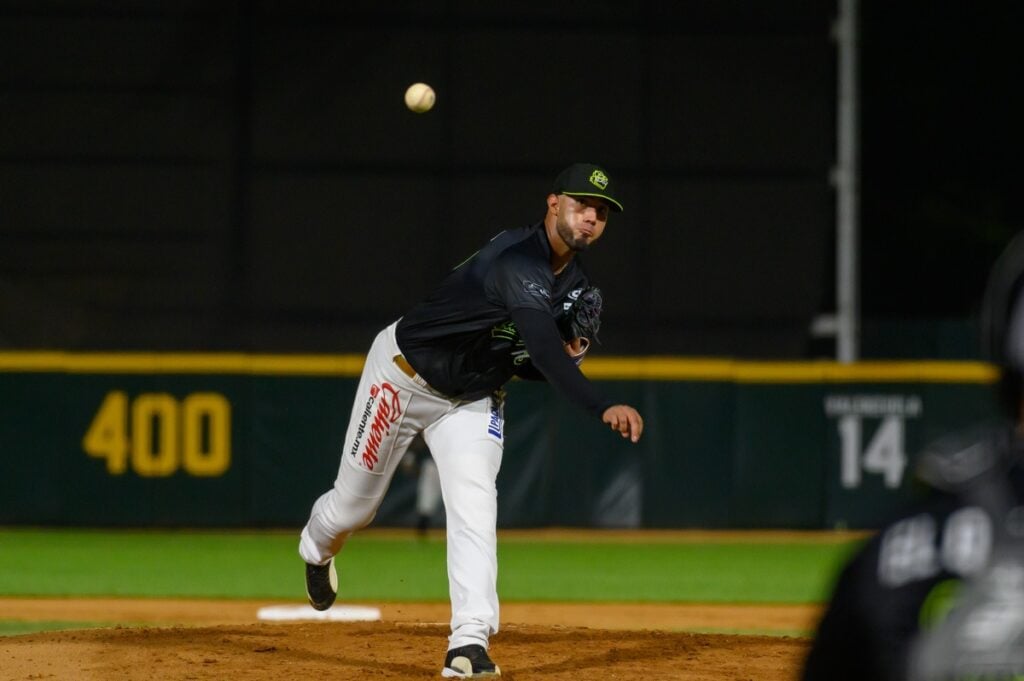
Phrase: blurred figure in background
[418,463]
[938,594]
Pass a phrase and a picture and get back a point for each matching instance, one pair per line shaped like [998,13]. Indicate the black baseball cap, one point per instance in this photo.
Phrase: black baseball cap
[587,179]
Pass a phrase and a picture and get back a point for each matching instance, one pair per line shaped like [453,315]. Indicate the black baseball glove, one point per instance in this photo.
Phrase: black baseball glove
[583,318]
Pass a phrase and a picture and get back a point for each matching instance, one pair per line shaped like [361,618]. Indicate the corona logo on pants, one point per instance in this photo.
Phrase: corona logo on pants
[389,410]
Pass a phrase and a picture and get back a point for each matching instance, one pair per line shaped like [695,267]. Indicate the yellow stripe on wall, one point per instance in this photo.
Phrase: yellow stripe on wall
[181,363]
[652,368]
[816,371]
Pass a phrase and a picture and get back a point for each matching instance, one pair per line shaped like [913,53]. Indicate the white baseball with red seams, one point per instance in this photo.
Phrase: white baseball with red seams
[420,97]
[466,440]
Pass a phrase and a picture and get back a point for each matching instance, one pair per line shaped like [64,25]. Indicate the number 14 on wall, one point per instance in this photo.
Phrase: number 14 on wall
[884,455]
[158,435]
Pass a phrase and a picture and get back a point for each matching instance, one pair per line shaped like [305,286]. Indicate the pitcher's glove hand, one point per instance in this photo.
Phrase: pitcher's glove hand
[582,320]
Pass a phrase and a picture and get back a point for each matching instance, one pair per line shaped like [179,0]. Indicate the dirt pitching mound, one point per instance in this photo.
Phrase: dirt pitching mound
[390,650]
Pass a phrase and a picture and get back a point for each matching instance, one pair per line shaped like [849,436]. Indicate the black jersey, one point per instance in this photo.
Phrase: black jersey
[889,618]
[462,339]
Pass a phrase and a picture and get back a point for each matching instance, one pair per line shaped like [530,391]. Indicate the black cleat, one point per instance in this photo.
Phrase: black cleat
[321,585]
[469,662]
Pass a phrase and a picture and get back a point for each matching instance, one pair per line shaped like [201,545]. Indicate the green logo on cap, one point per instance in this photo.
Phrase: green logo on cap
[599,179]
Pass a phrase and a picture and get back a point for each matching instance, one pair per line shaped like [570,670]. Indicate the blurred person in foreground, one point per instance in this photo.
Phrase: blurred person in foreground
[938,594]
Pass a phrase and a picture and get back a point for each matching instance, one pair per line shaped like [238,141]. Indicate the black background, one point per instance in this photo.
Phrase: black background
[941,145]
[229,175]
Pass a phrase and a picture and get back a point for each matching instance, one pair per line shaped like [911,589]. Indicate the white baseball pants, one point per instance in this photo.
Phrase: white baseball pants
[428,488]
[466,440]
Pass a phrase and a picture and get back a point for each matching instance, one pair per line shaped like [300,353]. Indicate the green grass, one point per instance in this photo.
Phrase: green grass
[388,568]
[685,572]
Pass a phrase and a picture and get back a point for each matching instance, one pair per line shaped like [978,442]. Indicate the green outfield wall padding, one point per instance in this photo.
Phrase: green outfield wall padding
[93,441]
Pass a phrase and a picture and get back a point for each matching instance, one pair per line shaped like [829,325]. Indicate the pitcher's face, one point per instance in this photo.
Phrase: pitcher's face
[580,221]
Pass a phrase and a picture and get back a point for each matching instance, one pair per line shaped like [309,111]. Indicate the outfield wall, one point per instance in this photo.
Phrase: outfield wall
[251,440]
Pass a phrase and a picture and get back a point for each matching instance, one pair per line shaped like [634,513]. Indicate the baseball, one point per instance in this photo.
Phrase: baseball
[419,97]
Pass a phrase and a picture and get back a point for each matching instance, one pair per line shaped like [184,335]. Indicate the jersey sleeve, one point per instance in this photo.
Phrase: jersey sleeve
[518,282]
[549,358]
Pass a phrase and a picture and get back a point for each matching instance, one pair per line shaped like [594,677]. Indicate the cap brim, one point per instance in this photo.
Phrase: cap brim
[615,205]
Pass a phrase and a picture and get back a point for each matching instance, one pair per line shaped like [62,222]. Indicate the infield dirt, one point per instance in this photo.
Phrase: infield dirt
[182,639]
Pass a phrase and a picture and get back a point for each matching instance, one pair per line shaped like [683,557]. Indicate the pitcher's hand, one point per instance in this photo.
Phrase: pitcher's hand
[624,419]
[577,349]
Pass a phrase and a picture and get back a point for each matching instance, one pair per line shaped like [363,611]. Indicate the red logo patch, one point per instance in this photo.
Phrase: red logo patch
[389,410]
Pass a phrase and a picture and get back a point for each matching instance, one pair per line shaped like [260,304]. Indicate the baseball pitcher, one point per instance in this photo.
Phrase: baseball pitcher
[521,306]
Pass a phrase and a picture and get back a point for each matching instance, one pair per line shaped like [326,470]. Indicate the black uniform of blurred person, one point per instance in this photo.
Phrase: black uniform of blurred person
[938,594]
